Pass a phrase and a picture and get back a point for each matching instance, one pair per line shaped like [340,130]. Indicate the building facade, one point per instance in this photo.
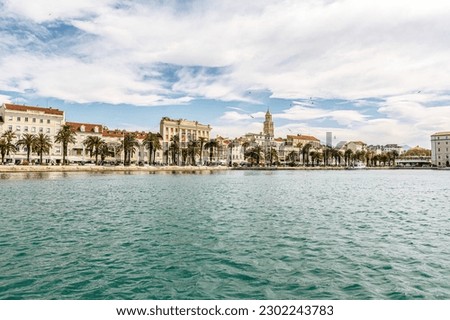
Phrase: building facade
[440,149]
[21,119]
[186,131]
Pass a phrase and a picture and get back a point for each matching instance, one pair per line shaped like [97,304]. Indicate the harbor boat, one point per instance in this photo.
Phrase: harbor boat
[357,166]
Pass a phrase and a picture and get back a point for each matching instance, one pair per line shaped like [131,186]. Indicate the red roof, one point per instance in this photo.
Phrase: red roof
[120,133]
[88,127]
[17,107]
[302,137]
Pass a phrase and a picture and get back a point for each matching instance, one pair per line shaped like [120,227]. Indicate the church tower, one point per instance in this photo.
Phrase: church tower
[268,124]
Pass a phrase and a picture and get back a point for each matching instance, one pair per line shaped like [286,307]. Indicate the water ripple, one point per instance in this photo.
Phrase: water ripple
[233,235]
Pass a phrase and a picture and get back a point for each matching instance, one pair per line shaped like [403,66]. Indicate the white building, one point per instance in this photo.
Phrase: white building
[186,131]
[21,119]
[440,149]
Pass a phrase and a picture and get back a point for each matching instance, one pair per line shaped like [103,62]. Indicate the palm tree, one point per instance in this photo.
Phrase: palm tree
[394,154]
[151,142]
[192,150]
[292,157]
[129,145]
[65,136]
[3,149]
[299,146]
[305,152]
[94,144]
[202,141]
[254,154]
[9,147]
[27,141]
[105,150]
[348,156]
[174,149]
[316,156]
[272,155]
[211,145]
[369,155]
[42,144]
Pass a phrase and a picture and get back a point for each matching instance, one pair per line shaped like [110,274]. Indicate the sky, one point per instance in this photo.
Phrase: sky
[375,71]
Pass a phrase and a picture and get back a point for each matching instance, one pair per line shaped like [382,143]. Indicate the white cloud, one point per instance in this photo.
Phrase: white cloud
[4,98]
[347,49]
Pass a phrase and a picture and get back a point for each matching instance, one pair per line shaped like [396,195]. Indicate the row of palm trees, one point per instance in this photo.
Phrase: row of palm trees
[309,154]
[41,144]
[332,156]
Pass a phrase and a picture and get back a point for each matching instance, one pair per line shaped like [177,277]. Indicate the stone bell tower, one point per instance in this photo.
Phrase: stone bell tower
[268,124]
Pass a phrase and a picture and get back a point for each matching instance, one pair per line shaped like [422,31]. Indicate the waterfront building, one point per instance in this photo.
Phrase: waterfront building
[440,149]
[77,152]
[303,140]
[185,130]
[22,119]
[355,146]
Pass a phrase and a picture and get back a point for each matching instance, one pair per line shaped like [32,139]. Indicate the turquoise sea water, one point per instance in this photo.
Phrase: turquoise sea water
[228,235]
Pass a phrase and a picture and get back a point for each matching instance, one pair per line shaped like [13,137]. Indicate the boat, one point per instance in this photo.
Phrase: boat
[357,166]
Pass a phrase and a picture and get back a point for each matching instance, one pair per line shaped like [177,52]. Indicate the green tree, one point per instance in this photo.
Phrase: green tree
[192,151]
[305,153]
[42,144]
[272,155]
[174,149]
[254,154]
[348,156]
[211,145]
[129,145]
[394,156]
[27,141]
[65,136]
[3,149]
[9,146]
[94,144]
[292,156]
[152,143]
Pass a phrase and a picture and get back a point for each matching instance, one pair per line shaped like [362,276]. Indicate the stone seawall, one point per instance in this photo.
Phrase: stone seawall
[19,168]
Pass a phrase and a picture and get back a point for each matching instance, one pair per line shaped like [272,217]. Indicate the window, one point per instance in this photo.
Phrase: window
[48,130]
[33,129]
[34,119]
[10,118]
[18,128]
[25,129]
[48,121]
[41,120]
[26,119]
[18,118]
[41,129]
[10,128]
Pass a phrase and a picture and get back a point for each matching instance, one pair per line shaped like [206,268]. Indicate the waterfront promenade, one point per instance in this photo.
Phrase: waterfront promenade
[25,169]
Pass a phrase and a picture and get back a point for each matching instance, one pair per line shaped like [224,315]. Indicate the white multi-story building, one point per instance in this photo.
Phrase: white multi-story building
[440,149]
[21,119]
[77,151]
[186,131]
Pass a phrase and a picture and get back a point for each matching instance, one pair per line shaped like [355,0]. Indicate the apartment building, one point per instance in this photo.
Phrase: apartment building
[186,131]
[21,119]
[440,149]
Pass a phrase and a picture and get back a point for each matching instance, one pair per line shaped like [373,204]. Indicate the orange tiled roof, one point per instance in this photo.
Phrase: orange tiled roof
[120,133]
[88,127]
[302,137]
[17,107]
